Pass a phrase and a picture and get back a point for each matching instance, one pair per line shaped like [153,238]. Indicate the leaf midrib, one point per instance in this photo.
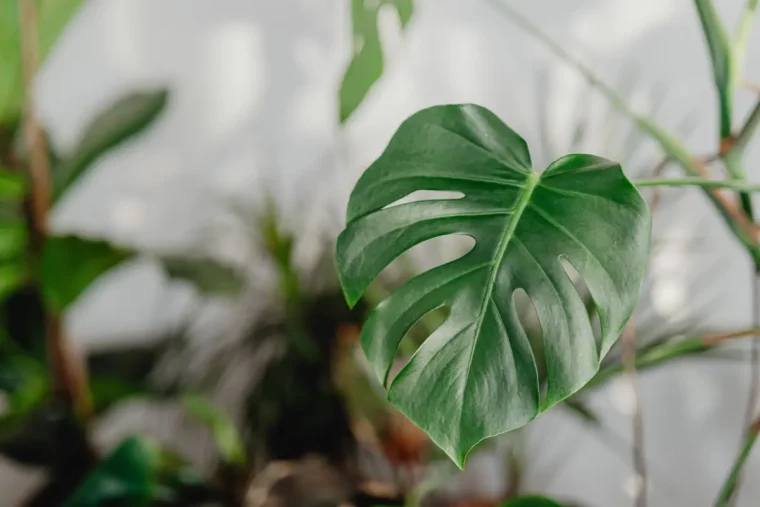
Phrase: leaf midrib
[531,182]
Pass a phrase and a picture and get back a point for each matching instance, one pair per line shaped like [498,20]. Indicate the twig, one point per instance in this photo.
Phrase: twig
[754,379]
[730,485]
[67,368]
[748,85]
[628,341]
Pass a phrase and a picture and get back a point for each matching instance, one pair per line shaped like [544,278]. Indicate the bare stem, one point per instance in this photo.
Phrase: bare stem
[731,484]
[639,461]
[67,368]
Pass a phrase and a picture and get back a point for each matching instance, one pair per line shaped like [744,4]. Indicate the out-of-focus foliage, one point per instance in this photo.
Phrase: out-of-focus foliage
[53,17]
[223,430]
[137,473]
[71,263]
[366,66]
[122,120]
[531,501]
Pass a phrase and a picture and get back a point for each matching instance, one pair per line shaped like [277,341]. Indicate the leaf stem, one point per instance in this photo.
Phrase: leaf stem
[639,461]
[67,368]
[742,37]
[729,485]
[742,186]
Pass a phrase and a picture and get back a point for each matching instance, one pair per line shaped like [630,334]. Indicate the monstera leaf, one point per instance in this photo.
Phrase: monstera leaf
[476,375]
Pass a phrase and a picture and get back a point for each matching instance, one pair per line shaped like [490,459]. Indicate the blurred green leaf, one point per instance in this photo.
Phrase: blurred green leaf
[531,501]
[53,17]
[12,276]
[207,275]
[366,66]
[71,263]
[222,428]
[122,120]
[721,57]
[12,185]
[127,476]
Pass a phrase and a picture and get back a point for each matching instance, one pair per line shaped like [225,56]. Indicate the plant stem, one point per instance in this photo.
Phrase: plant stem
[742,37]
[699,182]
[69,376]
[639,462]
[730,484]
[666,351]
[748,130]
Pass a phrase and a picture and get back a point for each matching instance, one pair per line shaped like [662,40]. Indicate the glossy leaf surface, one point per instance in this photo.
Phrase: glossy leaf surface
[476,375]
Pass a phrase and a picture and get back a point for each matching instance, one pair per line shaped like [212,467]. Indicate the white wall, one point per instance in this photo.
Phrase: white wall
[253,106]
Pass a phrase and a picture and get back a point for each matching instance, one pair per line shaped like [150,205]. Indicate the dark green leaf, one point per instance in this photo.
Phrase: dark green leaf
[53,17]
[207,275]
[129,476]
[221,427]
[121,121]
[531,501]
[721,56]
[71,263]
[366,66]
[476,376]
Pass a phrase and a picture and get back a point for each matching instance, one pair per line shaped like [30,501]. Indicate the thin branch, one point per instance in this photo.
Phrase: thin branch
[67,368]
[754,380]
[749,85]
[671,349]
[742,37]
[699,182]
[639,462]
[729,487]
[748,130]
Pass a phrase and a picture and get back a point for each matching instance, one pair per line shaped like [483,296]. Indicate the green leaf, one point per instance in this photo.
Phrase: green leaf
[128,476]
[721,57]
[475,376]
[53,18]
[12,185]
[119,122]
[207,275]
[531,501]
[366,66]
[222,428]
[71,263]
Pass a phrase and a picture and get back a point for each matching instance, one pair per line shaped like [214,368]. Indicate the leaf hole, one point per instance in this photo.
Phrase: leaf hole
[586,298]
[423,257]
[528,317]
[416,335]
[427,195]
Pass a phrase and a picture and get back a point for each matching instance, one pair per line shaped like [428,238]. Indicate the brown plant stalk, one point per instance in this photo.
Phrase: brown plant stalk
[69,375]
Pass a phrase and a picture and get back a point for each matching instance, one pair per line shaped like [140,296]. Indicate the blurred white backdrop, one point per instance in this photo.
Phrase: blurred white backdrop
[254,110]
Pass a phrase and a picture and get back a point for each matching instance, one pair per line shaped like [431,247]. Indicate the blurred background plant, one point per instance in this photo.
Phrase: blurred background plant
[279,384]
